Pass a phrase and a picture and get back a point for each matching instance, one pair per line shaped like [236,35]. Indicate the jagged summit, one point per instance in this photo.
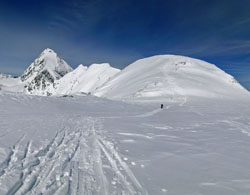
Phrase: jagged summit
[50,61]
[96,76]
[48,50]
[85,79]
[102,65]
[81,66]
[44,71]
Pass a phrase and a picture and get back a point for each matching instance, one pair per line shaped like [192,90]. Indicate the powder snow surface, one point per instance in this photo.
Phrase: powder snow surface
[89,145]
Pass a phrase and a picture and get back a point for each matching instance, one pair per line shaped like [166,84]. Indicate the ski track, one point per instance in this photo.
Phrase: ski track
[78,161]
[238,125]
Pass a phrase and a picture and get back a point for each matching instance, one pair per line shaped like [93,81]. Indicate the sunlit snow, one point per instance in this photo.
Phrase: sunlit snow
[102,131]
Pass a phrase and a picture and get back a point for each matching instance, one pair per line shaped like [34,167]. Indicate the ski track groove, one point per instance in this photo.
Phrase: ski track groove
[9,162]
[71,163]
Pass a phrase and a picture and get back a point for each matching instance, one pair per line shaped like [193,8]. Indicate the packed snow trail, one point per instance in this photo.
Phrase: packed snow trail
[73,162]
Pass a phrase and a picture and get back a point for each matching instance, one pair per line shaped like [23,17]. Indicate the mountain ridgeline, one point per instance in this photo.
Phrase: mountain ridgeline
[153,78]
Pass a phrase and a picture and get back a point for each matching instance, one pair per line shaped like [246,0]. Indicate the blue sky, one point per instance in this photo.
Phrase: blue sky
[120,32]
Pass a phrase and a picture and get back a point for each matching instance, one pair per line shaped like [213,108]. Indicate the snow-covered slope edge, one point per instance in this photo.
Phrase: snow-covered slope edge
[40,77]
[85,80]
[66,84]
[10,83]
[170,76]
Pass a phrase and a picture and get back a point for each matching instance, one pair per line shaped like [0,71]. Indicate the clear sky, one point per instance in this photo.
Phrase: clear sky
[122,31]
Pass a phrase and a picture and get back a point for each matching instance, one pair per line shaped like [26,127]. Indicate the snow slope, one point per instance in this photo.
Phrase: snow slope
[169,76]
[89,145]
[85,79]
[5,76]
[9,83]
[66,84]
[41,75]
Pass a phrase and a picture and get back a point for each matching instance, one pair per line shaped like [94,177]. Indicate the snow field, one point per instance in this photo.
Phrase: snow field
[71,163]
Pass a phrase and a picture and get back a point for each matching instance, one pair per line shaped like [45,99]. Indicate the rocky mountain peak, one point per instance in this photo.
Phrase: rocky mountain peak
[43,72]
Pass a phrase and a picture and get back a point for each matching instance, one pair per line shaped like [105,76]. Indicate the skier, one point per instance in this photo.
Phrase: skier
[161,106]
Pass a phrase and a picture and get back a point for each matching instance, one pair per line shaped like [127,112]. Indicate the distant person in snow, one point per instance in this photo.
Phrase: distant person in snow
[161,106]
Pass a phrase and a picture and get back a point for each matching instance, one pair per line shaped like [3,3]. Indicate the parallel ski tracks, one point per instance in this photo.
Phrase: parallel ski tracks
[78,161]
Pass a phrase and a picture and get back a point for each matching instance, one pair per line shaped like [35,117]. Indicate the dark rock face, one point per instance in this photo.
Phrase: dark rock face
[36,66]
[41,75]
[40,82]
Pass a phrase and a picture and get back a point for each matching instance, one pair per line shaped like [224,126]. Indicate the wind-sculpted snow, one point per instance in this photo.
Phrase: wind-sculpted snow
[172,77]
[88,145]
[85,79]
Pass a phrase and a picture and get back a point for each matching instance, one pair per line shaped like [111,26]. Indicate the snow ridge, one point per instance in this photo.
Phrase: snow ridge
[169,76]
[85,79]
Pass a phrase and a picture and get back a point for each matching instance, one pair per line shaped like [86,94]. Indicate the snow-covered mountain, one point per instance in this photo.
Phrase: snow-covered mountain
[5,76]
[41,75]
[51,75]
[85,79]
[160,77]
[10,83]
[169,76]
[67,83]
